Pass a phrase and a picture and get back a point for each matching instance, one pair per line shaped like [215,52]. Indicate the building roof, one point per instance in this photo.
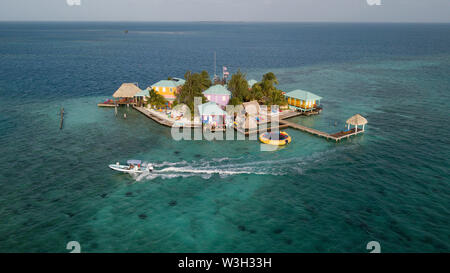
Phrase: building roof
[178,81]
[302,95]
[165,83]
[252,107]
[357,120]
[126,90]
[143,93]
[251,82]
[217,90]
[210,108]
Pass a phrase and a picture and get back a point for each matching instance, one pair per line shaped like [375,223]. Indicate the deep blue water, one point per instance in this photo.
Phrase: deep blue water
[389,185]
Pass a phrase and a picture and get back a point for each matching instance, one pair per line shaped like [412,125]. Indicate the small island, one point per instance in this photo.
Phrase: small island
[254,104]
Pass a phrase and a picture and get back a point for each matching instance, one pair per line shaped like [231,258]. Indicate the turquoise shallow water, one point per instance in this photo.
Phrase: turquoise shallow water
[390,184]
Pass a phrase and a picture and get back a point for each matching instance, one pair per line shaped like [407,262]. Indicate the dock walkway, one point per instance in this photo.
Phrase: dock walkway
[336,136]
[305,129]
[154,117]
[256,131]
[162,121]
[282,124]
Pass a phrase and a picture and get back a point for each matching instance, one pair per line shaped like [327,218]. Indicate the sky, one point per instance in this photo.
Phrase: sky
[227,10]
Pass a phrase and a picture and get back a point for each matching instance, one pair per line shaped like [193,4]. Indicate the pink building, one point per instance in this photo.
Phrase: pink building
[218,94]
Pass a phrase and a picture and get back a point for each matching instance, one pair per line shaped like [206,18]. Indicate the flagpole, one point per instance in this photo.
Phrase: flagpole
[215,64]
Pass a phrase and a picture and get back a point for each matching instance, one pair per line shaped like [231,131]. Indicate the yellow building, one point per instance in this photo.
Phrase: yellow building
[302,100]
[168,88]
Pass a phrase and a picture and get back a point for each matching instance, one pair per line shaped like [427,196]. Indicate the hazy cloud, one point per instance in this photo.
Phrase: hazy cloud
[227,10]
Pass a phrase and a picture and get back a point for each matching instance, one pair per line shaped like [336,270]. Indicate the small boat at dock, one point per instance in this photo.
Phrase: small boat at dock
[133,166]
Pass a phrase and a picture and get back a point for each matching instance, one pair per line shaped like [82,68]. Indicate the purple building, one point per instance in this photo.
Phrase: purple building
[218,94]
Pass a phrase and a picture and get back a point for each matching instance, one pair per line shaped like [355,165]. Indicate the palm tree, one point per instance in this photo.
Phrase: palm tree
[156,99]
[267,92]
[238,86]
[195,84]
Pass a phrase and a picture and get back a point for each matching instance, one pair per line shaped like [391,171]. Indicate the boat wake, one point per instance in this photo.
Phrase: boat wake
[224,167]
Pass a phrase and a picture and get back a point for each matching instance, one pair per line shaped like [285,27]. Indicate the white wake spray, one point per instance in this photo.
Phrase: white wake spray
[223,167]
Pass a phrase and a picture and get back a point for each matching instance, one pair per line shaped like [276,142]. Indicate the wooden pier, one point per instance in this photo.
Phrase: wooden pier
[149,114]
[256,131]
[116,104]
[305,129]
[162,121]
[106,105]
[336,136]
[282,124]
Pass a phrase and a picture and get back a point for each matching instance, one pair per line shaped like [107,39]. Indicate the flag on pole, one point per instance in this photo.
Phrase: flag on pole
[225,71]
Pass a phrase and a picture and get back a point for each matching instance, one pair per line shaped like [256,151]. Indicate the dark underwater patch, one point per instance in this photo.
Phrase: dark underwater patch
[70,214]
[277,230]
[142,216]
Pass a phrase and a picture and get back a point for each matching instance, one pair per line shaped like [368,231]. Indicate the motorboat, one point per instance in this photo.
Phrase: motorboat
[133,166]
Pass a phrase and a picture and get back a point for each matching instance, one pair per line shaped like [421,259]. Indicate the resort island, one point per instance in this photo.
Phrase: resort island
[246,106]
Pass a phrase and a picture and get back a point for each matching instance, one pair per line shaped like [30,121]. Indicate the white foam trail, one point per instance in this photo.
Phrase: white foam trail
[207,168]
[207,171]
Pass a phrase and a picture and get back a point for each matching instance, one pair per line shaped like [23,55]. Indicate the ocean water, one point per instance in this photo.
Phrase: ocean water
[390,184]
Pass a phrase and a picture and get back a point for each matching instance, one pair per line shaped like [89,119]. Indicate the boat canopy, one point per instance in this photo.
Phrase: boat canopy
[133,162]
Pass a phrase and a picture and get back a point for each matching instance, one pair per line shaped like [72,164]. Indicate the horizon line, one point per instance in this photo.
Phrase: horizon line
[220,21]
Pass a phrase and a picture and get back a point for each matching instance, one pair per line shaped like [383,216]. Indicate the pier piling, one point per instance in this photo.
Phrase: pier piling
[62,118]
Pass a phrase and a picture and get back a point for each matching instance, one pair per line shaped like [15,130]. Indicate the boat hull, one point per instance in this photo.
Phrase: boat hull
[124,169]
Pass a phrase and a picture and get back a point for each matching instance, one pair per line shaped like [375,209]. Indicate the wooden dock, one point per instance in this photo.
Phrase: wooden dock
[305,129]
[117,103]
[336,136]
[162,121]
[258,130]
[105,105]
[149,114]
[282,124]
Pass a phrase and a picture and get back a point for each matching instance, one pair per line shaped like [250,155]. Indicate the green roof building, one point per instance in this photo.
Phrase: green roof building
[143,93]
[302,100]
[218,94]
[165,83]
[251,83]
[178,81]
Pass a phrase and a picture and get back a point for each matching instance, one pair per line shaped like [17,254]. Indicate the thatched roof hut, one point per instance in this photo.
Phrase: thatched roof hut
[126,90]
[357,120]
